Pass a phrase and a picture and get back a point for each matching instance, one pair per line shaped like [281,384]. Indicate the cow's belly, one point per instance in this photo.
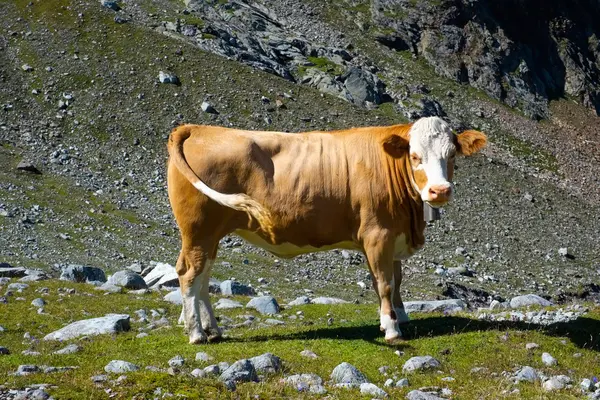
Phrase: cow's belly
[289,250]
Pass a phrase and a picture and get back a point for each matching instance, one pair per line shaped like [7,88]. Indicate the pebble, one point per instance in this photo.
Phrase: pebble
[38,302]
[226,304]
[421,395]
[165,77]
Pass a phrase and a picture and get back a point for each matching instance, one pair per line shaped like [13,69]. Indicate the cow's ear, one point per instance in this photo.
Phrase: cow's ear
[470,142]
[395,145]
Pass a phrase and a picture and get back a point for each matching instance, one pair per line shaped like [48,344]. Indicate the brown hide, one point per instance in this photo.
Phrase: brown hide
[317,188]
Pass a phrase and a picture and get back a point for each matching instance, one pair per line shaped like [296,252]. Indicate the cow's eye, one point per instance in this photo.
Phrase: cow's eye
[415,159]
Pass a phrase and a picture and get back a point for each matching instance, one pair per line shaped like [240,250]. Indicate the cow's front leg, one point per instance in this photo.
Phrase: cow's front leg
[379,249]
[401,314]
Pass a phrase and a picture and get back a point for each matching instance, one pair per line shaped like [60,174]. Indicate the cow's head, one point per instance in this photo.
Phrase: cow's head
[432,148]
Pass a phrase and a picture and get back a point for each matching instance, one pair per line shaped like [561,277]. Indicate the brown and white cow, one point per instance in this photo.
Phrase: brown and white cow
[290,194]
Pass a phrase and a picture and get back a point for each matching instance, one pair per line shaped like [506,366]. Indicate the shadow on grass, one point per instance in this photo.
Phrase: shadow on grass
[584,332]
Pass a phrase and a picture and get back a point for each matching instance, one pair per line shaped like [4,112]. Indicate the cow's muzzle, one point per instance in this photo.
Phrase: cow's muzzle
[438,195]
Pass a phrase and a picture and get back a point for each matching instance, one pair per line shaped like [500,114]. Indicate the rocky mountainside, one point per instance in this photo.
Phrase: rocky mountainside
[90,90]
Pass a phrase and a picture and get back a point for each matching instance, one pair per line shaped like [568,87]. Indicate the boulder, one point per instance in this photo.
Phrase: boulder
[81,273]
[264,305]
[127,279]
[111,323]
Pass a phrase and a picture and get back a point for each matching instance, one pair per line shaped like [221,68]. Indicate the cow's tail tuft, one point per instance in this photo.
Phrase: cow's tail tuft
[238,201]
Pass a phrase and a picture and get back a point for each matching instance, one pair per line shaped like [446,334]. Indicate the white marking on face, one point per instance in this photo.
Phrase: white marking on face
[288,250]
[432,141]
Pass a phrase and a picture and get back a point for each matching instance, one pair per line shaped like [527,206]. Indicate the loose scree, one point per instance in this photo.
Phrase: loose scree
[295,193]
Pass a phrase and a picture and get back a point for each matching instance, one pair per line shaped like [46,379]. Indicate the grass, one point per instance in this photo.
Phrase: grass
[459,342]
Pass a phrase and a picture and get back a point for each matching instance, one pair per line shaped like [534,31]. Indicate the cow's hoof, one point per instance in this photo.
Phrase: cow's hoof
[402,316]
[214,334]
[198,338]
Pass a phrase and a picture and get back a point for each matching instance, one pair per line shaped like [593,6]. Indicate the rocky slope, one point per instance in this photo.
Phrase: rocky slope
[83,102]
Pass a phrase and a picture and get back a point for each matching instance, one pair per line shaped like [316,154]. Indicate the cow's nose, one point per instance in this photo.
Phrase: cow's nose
[440,192]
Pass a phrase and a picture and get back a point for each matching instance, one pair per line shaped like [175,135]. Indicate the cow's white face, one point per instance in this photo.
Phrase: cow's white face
[432,150]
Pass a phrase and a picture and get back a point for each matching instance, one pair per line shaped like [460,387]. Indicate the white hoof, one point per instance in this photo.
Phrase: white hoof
[198,337]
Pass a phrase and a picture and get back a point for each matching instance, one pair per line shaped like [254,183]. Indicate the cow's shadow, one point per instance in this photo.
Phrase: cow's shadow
[583,332]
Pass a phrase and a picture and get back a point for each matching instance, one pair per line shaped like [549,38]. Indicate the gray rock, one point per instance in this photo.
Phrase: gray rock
[173,297]
[441,306]
[34,276]
[99,378]
[299,301]
[6,271]
[420,395]
[18,287]
[38,394]
[154,273]
[420,363]
[402,383]
[23,370]
[198,373]
[109,288]
[272,321]
[308,354]
[563,251]
[113,5]
[127,279]
[208,108]
[203,357]
[80,273]
[264,305]
[240,371]
[348,374]
[372,390]
[556,383]
[389,383]
[363,86]
[587,385]
[328,300]
[266,363]
[70,349]
[176,361]
[311,383]
[225,304]
[527,374]
[531,346]
[110,323]
[4,351]
[28,167]
[548,360]
[120,367]
[529,300]
[212,370]
[165,77]
[141,335]
[230,288]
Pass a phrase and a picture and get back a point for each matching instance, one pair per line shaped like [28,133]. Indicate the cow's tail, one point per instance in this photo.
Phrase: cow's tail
[239,201]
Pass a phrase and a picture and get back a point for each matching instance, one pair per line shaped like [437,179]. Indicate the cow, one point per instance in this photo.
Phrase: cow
[294,193]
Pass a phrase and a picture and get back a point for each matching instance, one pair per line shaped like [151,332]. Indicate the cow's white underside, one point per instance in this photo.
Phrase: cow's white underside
[288,250]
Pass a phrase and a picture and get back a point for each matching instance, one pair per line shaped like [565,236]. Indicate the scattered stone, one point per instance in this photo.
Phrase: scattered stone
[299,301]
[31,353]
[563,251]
[176,361]
[127,279]
[203,357]
[308,354]
[556,383]
[141,335]
[4,351]
[23,370]
[110,323]
[165,77]
[240,371]
[225,304]
[420,363]
[173,297]
[328,300]
[120,367]
[529,300]
[230,288]
[113,5]
[28,167]
[402,382]
[442,306]
[17,287]
[264,305]
[527,374]
[388,383]
[109,288]
[266,363]
[348,374]
[26,67]
[80,273]
[212,370]
[70,349]
[208,108]
[99,378]
[311,383]
[198,373]
[6,271]
[372,390]
[158,272]
[531,346]
[271,321]
[548,360]
[420,395]
[587,385]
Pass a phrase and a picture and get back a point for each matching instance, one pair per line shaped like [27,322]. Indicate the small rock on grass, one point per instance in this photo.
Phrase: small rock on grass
[38,303]
[4,351]
[264,305]
[311,383]
[308,354]
[556,383]
[420,395]
[111,323]
[240,371]
[203,357]
[266,363]
[120,366]
[529,300]
[548,360]
[528,374]
[346,373]
[70,349]
[402,383]
[372,390]
[531,346]
[127,279]
[225,304]
[420,363]
[176,361]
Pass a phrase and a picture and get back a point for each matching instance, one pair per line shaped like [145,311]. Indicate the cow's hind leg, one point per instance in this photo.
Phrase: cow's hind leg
[379,249]
[192,269]
[401,314]
[209,322]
